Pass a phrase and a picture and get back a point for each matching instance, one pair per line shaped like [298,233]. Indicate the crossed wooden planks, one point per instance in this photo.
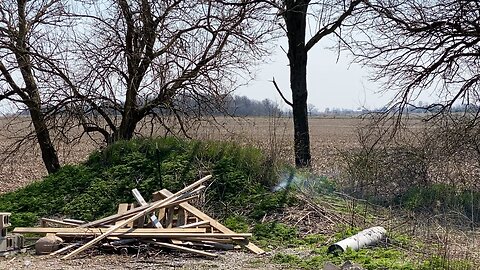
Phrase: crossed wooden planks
[192,226]
[159,204]
[213,223]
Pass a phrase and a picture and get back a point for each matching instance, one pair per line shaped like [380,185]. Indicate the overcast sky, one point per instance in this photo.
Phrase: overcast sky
[330,84]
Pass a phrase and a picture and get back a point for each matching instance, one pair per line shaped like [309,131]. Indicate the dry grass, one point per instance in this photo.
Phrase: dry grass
[328,135]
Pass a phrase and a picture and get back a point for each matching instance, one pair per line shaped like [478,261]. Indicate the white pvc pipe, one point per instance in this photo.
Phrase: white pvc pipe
[359,240]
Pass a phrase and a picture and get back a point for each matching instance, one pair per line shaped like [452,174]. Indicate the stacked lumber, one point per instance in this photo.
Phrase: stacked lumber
[169,221]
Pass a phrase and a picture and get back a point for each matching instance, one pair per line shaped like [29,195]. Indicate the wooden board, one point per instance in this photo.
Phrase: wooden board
[215,224]
[217,237]
[154,206]
[151,231]
[44,221]
[196,224]
[153,217]
[172,246]
[130,213]
[122,208]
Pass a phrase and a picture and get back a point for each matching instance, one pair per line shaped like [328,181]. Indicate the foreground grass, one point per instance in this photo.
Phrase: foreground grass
[398,251]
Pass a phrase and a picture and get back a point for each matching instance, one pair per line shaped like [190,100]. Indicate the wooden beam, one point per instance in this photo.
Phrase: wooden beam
[218,237]
[122,208]
[65,249]
[75,221]
[132,212]
[154,206]
[172,246]
[142,202]
[151,231]
[215,224]
[131,223]
[114,217]
[58,222]
[196,224]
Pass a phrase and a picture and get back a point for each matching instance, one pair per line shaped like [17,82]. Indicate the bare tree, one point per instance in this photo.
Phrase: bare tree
[423,46]
[330,17]
[29,36]
[145,58]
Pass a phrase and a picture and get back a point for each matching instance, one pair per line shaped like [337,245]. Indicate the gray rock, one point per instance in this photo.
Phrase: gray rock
[351,266]
[47,244]
[330,266]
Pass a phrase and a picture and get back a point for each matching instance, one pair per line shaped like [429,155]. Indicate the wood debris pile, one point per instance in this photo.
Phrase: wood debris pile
[168,221]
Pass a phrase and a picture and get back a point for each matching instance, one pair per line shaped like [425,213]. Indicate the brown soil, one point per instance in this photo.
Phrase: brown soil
[328,137]
[228,260]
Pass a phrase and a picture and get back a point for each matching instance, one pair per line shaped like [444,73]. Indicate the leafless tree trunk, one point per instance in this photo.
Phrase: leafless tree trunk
[21,22]
[332,15]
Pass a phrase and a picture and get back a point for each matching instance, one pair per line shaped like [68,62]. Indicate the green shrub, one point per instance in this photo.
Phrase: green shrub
[275,234]
[442,198]
[237,224]
[94,189]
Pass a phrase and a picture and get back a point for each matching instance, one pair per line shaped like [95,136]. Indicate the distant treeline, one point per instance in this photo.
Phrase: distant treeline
[236,105]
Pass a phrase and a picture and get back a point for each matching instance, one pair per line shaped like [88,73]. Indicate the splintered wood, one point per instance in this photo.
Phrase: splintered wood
[169,221]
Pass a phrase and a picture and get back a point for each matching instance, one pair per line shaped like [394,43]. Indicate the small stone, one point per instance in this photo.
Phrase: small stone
[47,244]
[351,266]
[330,266]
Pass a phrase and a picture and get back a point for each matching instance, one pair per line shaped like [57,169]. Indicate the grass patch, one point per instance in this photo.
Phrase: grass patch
[442,198]
[370,259]
[94,189]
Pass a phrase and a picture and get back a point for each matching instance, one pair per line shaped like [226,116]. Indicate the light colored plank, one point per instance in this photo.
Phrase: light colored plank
[218,237]
[215,224]
[154,206]
[196,224]
[169,217]
[130,224]
[161,215]
[138,196]
[172,246]
[115,217]
[75,221]
[122,208]
[65,249]
[132,212]
[151,231]
[58,222]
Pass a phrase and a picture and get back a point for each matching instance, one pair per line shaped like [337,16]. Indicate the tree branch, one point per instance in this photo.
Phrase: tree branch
[281,94]
[325,31]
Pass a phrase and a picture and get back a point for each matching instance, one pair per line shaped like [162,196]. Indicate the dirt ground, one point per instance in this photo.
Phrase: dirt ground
[228,261]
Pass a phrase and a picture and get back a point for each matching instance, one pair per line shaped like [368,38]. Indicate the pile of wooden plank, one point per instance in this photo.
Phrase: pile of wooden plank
[168,221]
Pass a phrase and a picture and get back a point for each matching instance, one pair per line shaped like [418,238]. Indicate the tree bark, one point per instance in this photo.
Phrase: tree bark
[127,127]
[31,95]
[49,155]
[295,19]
